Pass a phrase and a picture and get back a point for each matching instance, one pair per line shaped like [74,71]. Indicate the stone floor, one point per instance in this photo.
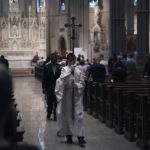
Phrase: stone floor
[42,133]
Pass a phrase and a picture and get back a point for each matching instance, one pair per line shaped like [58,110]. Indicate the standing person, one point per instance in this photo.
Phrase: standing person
[51,74]
[104,62]
[119,72]
[112,62]
[97,71]
[4,61]
[131,65]
[69,93]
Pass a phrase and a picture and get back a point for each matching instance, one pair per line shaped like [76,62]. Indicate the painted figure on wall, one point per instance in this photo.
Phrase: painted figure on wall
[131,43]
[96,41]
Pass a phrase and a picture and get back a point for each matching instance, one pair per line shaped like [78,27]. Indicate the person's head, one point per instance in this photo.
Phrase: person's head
[2,56]
[97,59]
[82,62]
[54,57]
[101,57]
[5,92]
[70,59]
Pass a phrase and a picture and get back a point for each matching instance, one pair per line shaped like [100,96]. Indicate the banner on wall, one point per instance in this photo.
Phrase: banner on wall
[80,51]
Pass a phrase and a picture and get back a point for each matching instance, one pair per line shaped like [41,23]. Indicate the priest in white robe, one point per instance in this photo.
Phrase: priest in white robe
[69,93]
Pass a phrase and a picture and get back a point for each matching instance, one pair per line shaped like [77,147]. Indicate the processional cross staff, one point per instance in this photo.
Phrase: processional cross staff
[73,27]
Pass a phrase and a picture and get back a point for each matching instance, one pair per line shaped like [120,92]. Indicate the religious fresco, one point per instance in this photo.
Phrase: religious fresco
[96,41]
[131,43]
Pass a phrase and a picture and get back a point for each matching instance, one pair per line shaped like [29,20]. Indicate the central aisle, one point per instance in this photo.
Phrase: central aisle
[42,133]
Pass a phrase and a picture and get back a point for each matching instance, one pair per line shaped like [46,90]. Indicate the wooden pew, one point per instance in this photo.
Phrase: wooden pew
[110,106]
[143,123]
[102,96]
[118,104]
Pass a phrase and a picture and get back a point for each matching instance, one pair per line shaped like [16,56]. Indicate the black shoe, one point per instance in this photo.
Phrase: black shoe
[82,142]
[69,139]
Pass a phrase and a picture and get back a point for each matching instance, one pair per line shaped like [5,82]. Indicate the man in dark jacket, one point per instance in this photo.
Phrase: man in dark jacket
[119,73]
[51,74]
[97,71]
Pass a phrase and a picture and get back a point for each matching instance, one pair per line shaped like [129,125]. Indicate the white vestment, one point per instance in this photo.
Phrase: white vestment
[63,90]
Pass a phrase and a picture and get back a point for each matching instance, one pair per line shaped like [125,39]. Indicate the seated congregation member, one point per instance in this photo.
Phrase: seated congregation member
[5,106]
[69,92]
[147,68]
[51,74]
[97,71]
[119,73]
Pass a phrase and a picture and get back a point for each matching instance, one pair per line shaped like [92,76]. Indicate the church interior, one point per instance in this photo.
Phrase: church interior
[116,111]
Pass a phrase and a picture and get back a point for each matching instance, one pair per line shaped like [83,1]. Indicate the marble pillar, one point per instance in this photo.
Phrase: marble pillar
[48,40]
[5,8]
[130,17]
[117,26]
[1,8]
[84,20]
[34,8]
[142,31]
[21,6]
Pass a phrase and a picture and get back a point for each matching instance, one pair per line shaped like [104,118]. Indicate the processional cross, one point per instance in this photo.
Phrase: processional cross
[73,27]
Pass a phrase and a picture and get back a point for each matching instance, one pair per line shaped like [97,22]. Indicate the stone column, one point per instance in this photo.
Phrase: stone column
[117,26]
[48,27]
[21,7]
[5,8]
[84,20]
[1,8]
[142,31]
[130,17]
[34,8]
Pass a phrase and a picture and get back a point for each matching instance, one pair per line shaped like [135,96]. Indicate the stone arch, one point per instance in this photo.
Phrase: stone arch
[62,46]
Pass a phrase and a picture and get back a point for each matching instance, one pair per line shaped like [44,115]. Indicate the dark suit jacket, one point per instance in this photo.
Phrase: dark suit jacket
[119,75]
[98,72]
[49,79]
